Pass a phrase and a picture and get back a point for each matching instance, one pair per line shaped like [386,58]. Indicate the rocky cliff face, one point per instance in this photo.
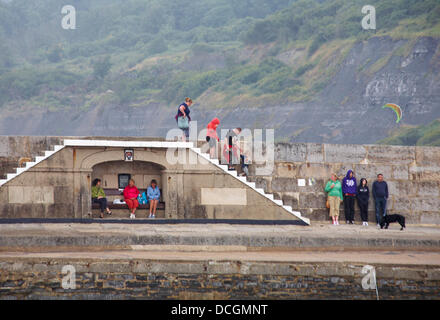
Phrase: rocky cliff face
[348,109]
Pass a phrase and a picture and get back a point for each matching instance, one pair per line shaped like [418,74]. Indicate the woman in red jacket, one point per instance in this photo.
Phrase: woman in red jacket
[212,137]
[130,195]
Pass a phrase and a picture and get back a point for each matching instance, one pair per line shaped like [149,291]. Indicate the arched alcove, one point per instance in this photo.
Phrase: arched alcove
[141,171]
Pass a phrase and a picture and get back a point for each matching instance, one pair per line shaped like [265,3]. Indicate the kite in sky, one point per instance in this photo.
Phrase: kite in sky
[396,109]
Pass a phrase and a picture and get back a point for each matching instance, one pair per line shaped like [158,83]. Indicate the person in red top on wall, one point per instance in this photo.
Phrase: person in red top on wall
[212,137]
[130,195]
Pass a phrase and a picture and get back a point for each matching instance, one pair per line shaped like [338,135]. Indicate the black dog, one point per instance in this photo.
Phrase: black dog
[392,218]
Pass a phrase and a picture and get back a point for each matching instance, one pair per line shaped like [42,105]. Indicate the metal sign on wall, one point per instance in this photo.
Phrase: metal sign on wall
[128,155]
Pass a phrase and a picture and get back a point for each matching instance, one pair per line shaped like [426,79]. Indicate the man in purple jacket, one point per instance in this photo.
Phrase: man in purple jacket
[349,190]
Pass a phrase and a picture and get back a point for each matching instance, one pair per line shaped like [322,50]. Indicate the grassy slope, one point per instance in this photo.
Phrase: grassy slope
[155,60]
[428,135]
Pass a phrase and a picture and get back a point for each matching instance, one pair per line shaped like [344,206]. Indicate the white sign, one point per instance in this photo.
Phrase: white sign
[69,280]
[69,20]
[369,21]
[301,182]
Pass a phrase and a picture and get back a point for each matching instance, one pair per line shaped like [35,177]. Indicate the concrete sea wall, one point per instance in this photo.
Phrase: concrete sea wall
[412,173]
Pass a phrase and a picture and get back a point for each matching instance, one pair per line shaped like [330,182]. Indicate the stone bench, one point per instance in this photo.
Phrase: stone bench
[117,192]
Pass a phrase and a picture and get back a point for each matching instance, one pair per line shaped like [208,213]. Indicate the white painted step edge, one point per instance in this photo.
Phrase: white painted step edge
[252,185]
[30,164]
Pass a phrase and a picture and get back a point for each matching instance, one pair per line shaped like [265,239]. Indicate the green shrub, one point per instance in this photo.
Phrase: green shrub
[101,67]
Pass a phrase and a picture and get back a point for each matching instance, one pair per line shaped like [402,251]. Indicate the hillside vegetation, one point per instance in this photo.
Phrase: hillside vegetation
[428,135]
[220,52]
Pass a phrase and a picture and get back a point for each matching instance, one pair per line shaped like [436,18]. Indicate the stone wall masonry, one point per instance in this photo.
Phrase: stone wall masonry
[14,148]
[40,278]
[412,174]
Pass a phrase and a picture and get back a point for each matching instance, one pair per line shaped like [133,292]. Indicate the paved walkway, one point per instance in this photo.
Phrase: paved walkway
[319,235]
[372,257]
[417,245]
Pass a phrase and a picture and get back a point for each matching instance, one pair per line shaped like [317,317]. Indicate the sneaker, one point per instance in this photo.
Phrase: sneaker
[337,223]
[378,225]
[150,216]
[153,216]
[366,223]
[132,216]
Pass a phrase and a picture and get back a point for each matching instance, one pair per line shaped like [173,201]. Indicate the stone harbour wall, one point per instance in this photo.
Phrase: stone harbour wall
[412,174]
[139,279]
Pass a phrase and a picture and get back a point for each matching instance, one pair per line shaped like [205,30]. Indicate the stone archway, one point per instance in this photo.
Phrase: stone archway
[106,163]
[141,171]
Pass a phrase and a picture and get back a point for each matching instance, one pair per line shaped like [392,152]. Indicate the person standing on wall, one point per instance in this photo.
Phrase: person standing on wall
[231,148]
[349,189]
[212,137]
[380,194]
[182,118]
[363,195]
[334,190]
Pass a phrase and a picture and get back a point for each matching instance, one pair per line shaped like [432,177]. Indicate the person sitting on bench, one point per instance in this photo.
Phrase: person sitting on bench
[130,195]
[153,196]
[98,196]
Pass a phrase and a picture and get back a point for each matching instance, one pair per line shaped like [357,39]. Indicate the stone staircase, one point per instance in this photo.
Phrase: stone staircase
[157,144]
[28,165]
[252,185]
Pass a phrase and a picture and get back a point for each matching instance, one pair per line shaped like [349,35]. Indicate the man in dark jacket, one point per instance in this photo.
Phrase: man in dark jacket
[380,194]
[349,190]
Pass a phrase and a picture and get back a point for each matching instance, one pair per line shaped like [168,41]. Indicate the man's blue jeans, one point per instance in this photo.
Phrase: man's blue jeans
[381,208]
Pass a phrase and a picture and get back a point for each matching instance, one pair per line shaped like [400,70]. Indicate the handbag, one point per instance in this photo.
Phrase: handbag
[182,122]
[327,204]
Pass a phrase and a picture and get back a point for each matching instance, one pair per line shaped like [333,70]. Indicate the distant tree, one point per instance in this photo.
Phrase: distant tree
[55,54]
[157,45]
[101,67]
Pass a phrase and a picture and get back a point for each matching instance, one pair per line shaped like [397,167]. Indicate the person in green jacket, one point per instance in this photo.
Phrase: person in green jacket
[98,196]
[334,190]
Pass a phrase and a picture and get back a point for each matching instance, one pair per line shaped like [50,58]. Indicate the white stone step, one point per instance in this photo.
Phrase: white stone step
[57,148]
[233,173]
[48,153]
[223,167]
[10,176]
[39,159]
[270,196]
[21,170]
[205,155]
[215,161]
[298,215]
[278,202]
[3,181]
[251,184]
[288,208]
[30,164]
[197,150]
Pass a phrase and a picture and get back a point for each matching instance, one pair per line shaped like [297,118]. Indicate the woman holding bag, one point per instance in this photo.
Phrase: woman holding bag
[183,118]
